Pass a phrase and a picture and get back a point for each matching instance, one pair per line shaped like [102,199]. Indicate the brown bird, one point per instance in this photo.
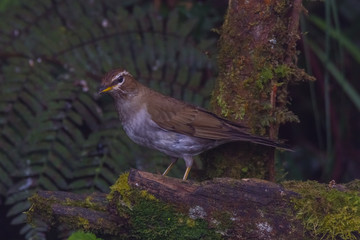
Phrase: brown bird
[173,127]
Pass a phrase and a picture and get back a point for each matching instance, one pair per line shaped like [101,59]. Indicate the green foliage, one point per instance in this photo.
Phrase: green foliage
[338,75]
[80,235]
[55,131]
[327,213]
[7,4]
[332,55]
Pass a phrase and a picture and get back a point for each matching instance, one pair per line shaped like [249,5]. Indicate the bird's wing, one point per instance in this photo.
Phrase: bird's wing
[177,116]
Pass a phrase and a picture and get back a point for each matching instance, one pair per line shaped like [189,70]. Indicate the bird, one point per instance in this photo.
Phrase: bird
[171,126]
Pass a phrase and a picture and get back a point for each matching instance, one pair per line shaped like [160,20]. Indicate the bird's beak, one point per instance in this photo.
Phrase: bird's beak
[105,89]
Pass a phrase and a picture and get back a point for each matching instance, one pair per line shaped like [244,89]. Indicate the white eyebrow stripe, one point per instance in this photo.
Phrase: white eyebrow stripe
[121,74]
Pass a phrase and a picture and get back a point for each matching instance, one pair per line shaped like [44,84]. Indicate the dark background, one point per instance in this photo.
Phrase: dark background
[57,134]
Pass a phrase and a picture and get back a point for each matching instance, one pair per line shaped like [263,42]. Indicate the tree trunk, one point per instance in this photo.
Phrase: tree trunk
[257,61]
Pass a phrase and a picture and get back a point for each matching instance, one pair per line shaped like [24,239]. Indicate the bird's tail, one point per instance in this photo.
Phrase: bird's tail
[268,142]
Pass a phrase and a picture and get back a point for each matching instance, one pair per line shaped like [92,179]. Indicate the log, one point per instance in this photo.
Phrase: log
[76,211]
[253,208]
[259,209]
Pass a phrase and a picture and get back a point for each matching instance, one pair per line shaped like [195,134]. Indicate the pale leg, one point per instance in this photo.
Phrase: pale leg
[173,161]
[189,162]
[186,173]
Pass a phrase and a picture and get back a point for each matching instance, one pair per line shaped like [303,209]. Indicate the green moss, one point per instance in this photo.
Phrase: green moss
[280,6]
[122,188]
[221,161]
[221,101]
[354,185]
[83,223]
[41,204]
[41,208]
[81,235]
[88,201]
[128,195]
[327,212]
[224,221]
[151,218]
[282,71]
[265,77]
[157,220]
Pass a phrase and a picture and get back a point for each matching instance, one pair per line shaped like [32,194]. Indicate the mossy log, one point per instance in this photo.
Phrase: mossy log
[231,209]
[149,206]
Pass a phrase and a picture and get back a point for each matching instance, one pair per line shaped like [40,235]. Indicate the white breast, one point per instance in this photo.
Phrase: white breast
[138,126]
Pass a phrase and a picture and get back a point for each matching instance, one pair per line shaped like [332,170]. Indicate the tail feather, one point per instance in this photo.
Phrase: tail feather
[241,133]
[241,136]
[271,143]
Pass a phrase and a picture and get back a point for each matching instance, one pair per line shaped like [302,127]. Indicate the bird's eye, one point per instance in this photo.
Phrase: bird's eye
[118,80]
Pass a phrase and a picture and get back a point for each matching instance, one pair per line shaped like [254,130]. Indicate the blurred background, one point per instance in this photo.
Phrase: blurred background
[56,133]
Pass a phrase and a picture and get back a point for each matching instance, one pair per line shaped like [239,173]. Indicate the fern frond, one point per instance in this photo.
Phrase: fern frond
[55,132]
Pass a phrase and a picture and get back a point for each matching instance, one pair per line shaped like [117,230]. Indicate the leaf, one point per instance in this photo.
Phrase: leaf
[83,236]
[186,28]
[18,208]
[338,76]
[352,48]
[21,218]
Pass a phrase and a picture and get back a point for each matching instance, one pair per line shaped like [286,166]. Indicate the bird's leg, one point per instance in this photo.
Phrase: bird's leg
[186,173]
[173,161]
[189,162]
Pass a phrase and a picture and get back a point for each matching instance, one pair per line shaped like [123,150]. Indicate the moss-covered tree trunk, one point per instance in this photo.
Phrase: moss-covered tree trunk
[257,61]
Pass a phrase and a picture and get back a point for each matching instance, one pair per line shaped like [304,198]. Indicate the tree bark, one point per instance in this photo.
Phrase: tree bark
[257,60]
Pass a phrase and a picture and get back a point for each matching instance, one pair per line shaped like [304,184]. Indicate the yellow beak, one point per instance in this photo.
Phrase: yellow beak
[105,89]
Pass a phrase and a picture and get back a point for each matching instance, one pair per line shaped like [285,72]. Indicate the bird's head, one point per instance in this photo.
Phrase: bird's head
[119,83]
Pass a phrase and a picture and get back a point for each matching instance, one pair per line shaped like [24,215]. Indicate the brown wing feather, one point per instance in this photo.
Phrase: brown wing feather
[177,116]
[190,120]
